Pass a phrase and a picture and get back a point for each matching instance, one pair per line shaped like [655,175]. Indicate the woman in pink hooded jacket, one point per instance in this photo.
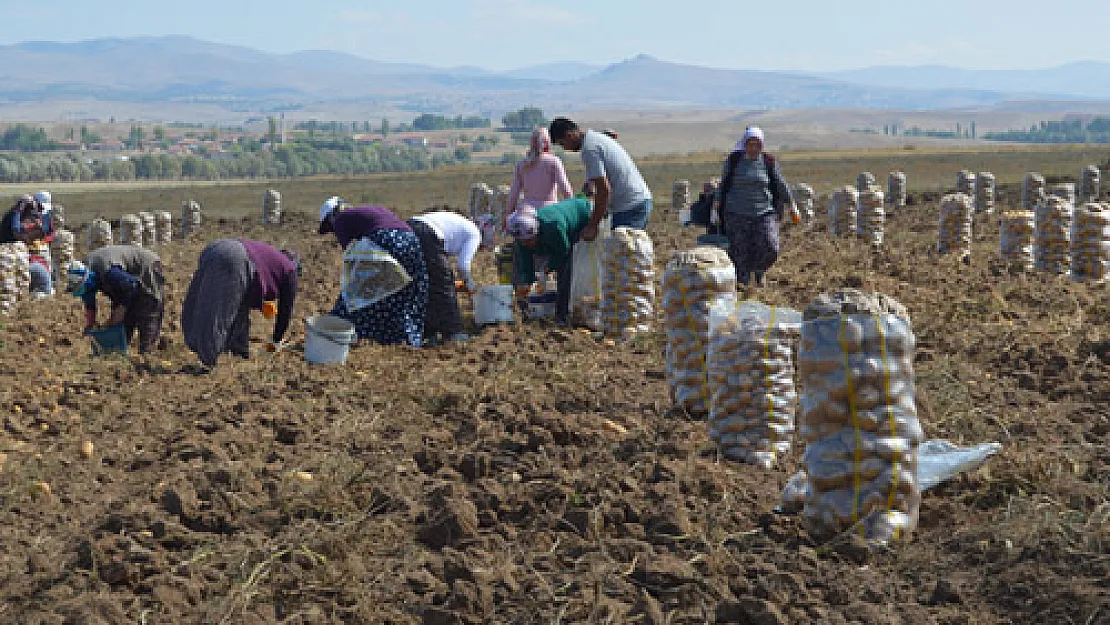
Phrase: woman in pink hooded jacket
[540,176]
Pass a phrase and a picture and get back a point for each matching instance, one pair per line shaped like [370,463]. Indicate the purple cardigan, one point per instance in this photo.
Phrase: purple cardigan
[355,223]
[277,280]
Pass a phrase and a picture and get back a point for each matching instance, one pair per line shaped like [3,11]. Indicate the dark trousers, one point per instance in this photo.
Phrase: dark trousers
[144,315]
[562,298]
[442,315]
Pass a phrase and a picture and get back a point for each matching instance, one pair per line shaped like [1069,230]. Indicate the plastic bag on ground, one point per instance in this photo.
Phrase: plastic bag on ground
[370,274]
[585,284]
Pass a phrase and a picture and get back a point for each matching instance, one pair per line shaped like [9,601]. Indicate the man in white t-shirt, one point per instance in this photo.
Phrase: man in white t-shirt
[443,234]
[619,189]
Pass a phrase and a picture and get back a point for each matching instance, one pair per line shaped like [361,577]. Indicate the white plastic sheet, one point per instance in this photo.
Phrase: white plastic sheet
[370,274]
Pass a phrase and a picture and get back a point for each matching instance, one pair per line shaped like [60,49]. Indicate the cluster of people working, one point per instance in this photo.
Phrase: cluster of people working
[235,277]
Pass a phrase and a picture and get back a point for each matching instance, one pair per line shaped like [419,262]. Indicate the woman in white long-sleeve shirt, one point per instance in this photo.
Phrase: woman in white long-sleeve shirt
[443,234]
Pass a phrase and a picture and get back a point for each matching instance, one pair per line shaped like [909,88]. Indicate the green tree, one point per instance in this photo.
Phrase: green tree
[524,120]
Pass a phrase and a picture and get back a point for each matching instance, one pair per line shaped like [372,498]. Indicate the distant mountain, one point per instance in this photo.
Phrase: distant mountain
[180,69]
[1088,78]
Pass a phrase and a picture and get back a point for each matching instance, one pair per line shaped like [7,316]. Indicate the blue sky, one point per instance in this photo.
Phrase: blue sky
[504,34]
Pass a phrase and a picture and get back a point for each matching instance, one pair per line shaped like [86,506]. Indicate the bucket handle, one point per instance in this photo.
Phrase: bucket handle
[320,334]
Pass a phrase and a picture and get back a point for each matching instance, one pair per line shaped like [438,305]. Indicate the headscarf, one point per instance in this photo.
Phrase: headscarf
[540,144]
[523,223]
[327,210]
[751,132]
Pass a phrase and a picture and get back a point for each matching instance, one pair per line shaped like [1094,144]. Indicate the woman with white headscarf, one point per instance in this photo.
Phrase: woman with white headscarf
[540,176]
[750,204]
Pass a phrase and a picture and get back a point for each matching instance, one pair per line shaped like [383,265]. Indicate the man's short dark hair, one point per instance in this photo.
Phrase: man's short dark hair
[559,128]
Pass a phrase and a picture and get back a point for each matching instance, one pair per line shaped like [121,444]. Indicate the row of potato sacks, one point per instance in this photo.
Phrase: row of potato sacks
[693,282]
[146,229]
[627,283]
[15,275]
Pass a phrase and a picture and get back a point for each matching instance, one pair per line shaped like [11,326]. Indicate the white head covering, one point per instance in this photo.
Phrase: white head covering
[75,274]
[329,206]
[44,198]
[751,132]
[523,224]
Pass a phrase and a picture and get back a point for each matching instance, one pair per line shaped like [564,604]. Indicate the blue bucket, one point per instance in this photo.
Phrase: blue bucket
[109,340]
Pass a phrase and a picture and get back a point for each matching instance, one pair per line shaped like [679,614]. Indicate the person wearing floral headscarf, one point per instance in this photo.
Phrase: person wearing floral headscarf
[549,233]
[540,176]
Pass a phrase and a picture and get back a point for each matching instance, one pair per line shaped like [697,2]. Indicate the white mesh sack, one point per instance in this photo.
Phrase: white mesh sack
[1052,235]
[271,207]
[190,218]
[1090,243]
[858,417]
[15,275]
[804,197]
[1032,191]
[693,282]
[1063,190]
[149,230]
[164,225]
[752,396]
[100,234]
[954,228]
[984,192]
[130,230]
[1089,182]
[63,250]
[1016,244]
[866,181]
[896,189]
[871,219]
[965,182]
[627,283]
[843,208]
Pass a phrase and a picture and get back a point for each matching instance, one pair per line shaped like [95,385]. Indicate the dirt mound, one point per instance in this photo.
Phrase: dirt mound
[539,475]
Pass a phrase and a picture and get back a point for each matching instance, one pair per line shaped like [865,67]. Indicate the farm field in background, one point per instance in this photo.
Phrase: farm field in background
[536,475]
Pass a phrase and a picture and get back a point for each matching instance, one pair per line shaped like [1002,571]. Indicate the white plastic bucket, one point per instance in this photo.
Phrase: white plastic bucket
[684,217]
[493,304]
[327,339]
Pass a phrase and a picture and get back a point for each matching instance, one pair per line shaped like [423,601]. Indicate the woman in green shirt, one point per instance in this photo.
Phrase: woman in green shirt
[549,234]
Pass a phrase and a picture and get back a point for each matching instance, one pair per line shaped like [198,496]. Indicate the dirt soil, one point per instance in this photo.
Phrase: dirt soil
[536,475]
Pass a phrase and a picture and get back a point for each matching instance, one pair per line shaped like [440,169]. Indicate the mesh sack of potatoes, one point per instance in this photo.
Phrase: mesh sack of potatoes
[1089,182]
[871,218]
[984,192]
[965,182]
[100,234]
[954,228]
[693,281]
[150,229]
[499,203]
[58,217]
[1052,235]
[481,197]
[15,275]
[1064,190]
[164,223]
[1090,243]
[805,198]
[627,282]
[866,181]
[752,396]
[63,250]
[1032,191]
[130,230]
[680,194]
[858,417]
[191,218]
[843,208]
[271,207]
[896,189]
[1016,244]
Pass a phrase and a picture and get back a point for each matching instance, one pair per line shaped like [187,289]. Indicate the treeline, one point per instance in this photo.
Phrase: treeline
[429,121]
[286,161]
[1096,130]
[23,138]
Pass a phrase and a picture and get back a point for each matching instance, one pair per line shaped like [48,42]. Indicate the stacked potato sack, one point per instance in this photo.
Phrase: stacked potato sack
[15,275]
[965,183]
[1064,191]
[1089,181]
[100,234]
[481,197]
[984,193]
[164,223]
[130,230]
[954,229]
[1032,191]
[499,206]
[871,217]
[190,218]
[150,229]
[680,194]
[751,381]
[58,217]
[804,197]
[627,283]
[271,208]
[896,189]
[866,181]
[693,282]
[63,251]
[843,208]
[858,417]
[1090,243]
[1052,235]
[1017,238]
